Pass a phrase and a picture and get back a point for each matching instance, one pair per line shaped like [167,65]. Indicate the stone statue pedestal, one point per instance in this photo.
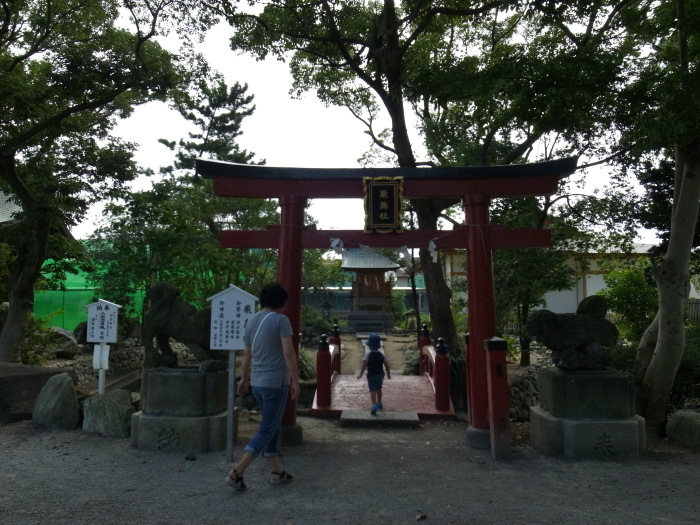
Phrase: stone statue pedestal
[586,414]
[182,410]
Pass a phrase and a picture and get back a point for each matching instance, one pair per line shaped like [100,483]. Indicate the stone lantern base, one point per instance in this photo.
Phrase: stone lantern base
[586,414]
[182,410]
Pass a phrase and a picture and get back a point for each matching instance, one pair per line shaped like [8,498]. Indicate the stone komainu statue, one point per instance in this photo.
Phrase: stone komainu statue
[579,341]
[169,316]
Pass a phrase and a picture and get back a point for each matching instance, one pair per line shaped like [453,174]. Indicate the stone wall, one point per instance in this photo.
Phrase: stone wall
[125,356]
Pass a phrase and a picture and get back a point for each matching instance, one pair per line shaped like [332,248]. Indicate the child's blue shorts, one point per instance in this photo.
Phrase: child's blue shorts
[375,382]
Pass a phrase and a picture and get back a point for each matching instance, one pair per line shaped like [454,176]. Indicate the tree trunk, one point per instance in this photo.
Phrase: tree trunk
[439,294]
[673,282]
[645,350]
[22,294]
[523,312]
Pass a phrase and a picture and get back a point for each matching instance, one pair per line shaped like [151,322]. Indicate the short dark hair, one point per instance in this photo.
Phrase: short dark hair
[273,295]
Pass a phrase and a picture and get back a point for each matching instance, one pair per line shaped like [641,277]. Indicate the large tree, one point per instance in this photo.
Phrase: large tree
[658,117]
[465,70]
[170,232]
[67,70]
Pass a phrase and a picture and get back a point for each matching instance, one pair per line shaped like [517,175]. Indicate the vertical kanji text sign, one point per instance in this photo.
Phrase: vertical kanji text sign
[230,311]
[102,322]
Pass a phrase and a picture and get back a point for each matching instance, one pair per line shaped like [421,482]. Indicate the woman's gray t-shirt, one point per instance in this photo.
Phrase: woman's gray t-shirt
[268,367]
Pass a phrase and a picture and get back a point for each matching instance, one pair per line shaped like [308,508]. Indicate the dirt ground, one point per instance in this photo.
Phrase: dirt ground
[343,475]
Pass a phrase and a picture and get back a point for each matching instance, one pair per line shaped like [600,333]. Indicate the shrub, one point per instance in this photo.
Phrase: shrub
[411,365]
[38,340]
[631,294]
[307,364]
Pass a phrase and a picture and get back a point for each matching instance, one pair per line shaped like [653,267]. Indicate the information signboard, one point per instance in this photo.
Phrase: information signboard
[230,311]
[102,322]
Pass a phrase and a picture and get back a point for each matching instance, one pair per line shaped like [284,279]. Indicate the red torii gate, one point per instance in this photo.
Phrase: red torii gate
[476,186]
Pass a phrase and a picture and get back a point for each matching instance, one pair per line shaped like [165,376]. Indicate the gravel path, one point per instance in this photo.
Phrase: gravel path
[343,476]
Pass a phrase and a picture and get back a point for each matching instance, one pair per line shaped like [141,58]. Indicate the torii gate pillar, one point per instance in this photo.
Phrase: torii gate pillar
[482,316]
[289,269]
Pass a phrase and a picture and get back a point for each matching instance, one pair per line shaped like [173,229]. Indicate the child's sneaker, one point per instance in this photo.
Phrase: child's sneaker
[373,410]
[380,406]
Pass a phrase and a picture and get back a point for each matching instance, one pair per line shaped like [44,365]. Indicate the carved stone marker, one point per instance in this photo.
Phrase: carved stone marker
[183,410]
[586,414]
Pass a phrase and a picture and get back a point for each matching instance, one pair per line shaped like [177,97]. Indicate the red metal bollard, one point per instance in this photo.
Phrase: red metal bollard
[442,376]
[499,402]
[323,373]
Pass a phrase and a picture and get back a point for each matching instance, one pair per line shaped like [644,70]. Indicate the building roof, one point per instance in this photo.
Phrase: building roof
[366,259]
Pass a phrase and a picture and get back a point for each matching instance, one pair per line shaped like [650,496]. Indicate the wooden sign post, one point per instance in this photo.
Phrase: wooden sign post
[230,311]
[101,329]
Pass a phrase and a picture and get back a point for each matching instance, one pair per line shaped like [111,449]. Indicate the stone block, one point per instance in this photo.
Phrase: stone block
[380,419]
[178,434]
[184,392]
[602,438]
[684,427]
[108,414]
[594,394]
[586,438]
[20,386]
[57,404]
[546,432]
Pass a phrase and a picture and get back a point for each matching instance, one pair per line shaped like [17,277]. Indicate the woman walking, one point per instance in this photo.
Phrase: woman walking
[274,375]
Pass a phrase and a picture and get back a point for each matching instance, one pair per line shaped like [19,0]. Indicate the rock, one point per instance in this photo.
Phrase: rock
[684,427]
[108,414]
[20,386]
[57,404]
[69,348]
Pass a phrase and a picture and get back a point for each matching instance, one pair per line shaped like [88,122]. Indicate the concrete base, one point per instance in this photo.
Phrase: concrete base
[478,438]
[586,438]
[178,434]
[381,419]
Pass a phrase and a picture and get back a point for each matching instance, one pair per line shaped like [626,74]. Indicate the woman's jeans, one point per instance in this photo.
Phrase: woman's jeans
[272,402]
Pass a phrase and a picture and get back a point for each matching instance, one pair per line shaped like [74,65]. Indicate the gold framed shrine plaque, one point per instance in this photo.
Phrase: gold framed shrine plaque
[383,204]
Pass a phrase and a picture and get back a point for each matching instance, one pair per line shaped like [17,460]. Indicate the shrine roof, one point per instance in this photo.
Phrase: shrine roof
[515,180]
[365,259]
[218,168]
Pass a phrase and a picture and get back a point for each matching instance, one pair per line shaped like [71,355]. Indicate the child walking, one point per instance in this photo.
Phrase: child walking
[375,363]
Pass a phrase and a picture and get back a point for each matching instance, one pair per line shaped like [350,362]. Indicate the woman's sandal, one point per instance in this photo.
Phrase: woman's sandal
[282,477]
[236,483]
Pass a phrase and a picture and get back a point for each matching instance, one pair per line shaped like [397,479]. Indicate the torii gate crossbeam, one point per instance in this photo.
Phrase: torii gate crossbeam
[475,186]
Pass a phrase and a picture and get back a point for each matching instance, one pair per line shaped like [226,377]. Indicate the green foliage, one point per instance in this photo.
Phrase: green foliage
[38,338]
[171,232]
[312,319]
[631,294]
[411,365]
[687,383]
[398,306]
[307,364]
[68,72]
[408,322]
[623,355]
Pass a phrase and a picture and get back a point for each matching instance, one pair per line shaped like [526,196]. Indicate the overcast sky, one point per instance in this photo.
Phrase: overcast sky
[281,130]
